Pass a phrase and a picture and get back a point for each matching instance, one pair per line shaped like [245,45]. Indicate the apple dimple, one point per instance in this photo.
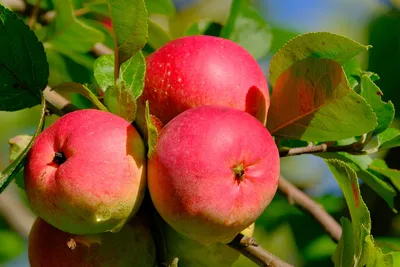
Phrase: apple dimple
[59,158]
[239,172]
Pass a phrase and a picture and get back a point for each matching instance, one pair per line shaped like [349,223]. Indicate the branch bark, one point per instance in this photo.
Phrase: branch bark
[300,199]
[354,148]
[252,250]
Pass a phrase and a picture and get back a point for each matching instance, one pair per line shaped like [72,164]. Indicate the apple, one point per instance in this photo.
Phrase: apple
[86,172]
[194,254]
[213,172]
[201,70]
[132,246]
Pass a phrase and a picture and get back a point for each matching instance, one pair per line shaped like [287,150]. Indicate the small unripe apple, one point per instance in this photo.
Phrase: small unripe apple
[85,173]
[213,172]
[51,247]
[201,70]
[194,254]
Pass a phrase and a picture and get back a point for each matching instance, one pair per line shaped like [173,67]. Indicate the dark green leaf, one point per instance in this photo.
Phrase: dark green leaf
[380,167]
[162,7]
[315,45]
[246,27]
[321,106]
[360,217]
[384,111]
[68,33]
[152,132]
[157,35]
[23,65]
[132,73]
[129,20]
[73,87]
[15,167]
[360,165]
[389,138]
[120,100]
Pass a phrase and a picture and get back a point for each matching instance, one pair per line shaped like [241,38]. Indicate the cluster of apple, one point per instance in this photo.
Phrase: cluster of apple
[213,171]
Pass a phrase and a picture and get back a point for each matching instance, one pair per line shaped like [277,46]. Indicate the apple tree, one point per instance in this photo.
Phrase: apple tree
[162,143]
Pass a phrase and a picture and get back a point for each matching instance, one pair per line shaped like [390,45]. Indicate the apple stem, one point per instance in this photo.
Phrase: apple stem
[239,171]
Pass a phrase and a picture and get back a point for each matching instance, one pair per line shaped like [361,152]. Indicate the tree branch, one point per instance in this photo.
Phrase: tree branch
[14,211]
[252,250]
[354,148]
[300,199]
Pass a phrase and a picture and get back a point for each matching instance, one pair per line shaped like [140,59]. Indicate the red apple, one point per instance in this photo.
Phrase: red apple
[51,247]
[85,173]
[202,70]
[213,172]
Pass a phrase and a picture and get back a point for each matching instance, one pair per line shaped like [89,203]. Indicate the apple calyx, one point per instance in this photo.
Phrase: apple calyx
[59,158]
[239,172]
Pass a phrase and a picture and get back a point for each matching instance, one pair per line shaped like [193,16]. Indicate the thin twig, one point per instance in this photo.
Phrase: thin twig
[353,148]
[252,250]
[300,199]
[33,17]
[57,103]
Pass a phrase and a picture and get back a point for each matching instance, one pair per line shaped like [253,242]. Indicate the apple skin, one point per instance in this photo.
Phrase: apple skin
[194,254]
[102,182]
[191,176]
[132,246]
[201,70]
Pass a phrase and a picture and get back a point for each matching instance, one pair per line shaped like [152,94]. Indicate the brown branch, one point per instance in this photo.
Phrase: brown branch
[252,250]
[33,17]
[300,199]
[57,103]
[354,148]
[14,211]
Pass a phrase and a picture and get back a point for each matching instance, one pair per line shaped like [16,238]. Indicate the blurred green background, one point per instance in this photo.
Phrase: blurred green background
[282,229]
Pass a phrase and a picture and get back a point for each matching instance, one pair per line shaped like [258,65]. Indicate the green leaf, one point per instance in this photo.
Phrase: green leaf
[389,138]
[360,165]
[157,35]
[313,45]
[376,257]
[100,7]
[379,166]
[108,39]
[344,252]
[44,4]
[162,7]
[73,87]
[312,101]
[152,132]
[17,144]
[129,20]
[246,27]
[23,65]
[132,73]
[360,217]
[15,167]
[352,69]
[198,27]
[14,248]
[68,33]
[120,100]
[384,111]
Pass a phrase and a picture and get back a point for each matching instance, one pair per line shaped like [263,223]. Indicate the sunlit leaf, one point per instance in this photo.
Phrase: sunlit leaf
[162,7]
[152,132]
[120,100]
[68,33]
[360,218]
[360,165]
[129,21]
[246,27]
[312,101]
[313,45]
[389,138]
[379,166]
[372,94]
